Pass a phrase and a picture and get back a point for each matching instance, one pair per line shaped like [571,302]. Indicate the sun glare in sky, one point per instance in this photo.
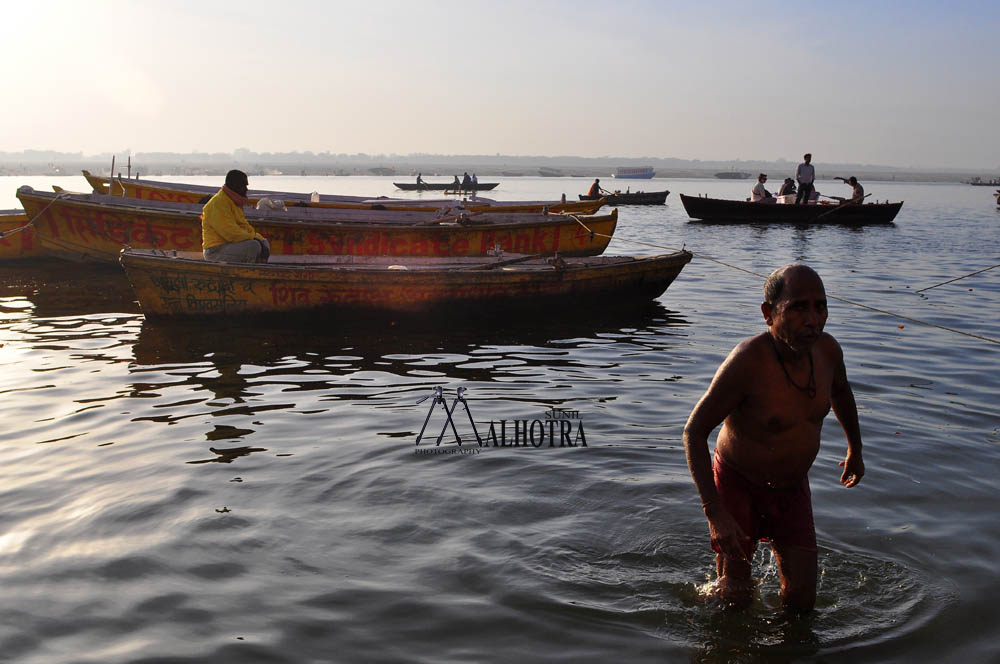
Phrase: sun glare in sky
[880,83]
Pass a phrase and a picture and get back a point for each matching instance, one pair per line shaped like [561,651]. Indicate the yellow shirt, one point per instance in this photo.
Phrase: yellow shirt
[222,222]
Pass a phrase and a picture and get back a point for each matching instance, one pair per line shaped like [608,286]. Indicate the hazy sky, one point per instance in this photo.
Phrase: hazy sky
[895,83]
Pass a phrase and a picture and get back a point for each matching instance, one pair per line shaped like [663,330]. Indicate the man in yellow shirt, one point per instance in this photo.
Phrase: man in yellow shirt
[226,235]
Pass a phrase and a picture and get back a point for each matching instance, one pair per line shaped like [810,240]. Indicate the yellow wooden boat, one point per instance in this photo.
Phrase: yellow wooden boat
[96,227]
[175,192]
[184,284]
[14,242]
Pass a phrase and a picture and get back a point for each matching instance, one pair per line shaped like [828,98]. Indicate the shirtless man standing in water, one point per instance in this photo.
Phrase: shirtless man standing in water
[771,395]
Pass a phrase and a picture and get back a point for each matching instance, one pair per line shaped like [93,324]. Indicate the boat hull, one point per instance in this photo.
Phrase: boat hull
[95,228]
[168,286]
[450,186]
[16,243]
[632,198]
[150,190]
[741,212]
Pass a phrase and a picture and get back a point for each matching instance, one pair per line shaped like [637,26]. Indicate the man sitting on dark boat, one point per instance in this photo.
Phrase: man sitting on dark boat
[226,235]
[759,193]
[788,188]
[857,193]
[466,181]
[595,189]
[420,180]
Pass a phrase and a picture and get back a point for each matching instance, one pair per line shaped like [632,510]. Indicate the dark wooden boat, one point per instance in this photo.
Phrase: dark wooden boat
[449,186]
[743,212]
[631,198]
[184,284]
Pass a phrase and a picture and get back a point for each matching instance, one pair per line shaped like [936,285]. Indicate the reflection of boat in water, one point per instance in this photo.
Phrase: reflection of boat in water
[187,285]
[743,212]
[732,175]
[388,343]
[631,198]
[634,172]
[55,292]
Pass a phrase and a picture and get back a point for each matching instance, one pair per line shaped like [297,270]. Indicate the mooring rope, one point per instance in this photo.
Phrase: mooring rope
[957,278]
[832,297]
[35,218]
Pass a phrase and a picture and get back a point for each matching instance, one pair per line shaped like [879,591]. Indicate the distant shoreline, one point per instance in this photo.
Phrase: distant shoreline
[167,170]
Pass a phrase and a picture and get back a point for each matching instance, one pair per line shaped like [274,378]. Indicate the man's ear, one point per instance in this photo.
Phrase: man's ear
[768,311]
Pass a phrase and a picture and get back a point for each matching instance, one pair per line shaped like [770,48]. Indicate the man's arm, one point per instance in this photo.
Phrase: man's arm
[722,397]
[846,410]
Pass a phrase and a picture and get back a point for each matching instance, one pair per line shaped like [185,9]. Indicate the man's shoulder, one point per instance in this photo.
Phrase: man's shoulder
[749,348]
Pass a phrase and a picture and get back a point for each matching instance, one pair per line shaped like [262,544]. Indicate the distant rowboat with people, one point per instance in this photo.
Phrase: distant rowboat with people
[718,210]
[445,186]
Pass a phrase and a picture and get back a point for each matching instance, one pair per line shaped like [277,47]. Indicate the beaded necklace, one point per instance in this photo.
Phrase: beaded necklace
[809,389]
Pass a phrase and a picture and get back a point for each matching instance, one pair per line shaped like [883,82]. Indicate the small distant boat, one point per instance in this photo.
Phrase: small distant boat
[997,196]
[634,173]
[631,198]
[732,175]
[718,210]
[184,284]
[551,172]
[445,186]
[16,243]
[979,182]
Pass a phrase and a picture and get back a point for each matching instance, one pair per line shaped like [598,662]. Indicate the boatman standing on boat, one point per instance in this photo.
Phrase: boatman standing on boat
[805,175]
[226,235]
[759,193]
[857,193]
[771,396]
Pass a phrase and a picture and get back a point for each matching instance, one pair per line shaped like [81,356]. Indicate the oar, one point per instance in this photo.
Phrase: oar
[841,207]
[509,261]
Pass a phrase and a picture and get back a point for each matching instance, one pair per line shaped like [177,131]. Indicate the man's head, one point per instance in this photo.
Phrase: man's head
[597,180]
[852,180]
[807,157]
[762,177]
[794,306]
[237,181]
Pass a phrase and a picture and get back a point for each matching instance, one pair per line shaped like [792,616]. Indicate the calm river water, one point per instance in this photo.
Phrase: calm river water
[253,493]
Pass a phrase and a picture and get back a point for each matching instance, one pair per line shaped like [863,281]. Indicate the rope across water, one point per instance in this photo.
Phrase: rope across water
[832,297]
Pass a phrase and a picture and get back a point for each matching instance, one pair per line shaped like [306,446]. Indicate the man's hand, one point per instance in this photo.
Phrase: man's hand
[727,537]
[854,470]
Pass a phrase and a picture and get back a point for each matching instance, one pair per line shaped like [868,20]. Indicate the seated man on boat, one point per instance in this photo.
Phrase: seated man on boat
[788,188]
[466,181]
[226,235]
[857,193]
[595,189]
[420,180]
[759,193]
